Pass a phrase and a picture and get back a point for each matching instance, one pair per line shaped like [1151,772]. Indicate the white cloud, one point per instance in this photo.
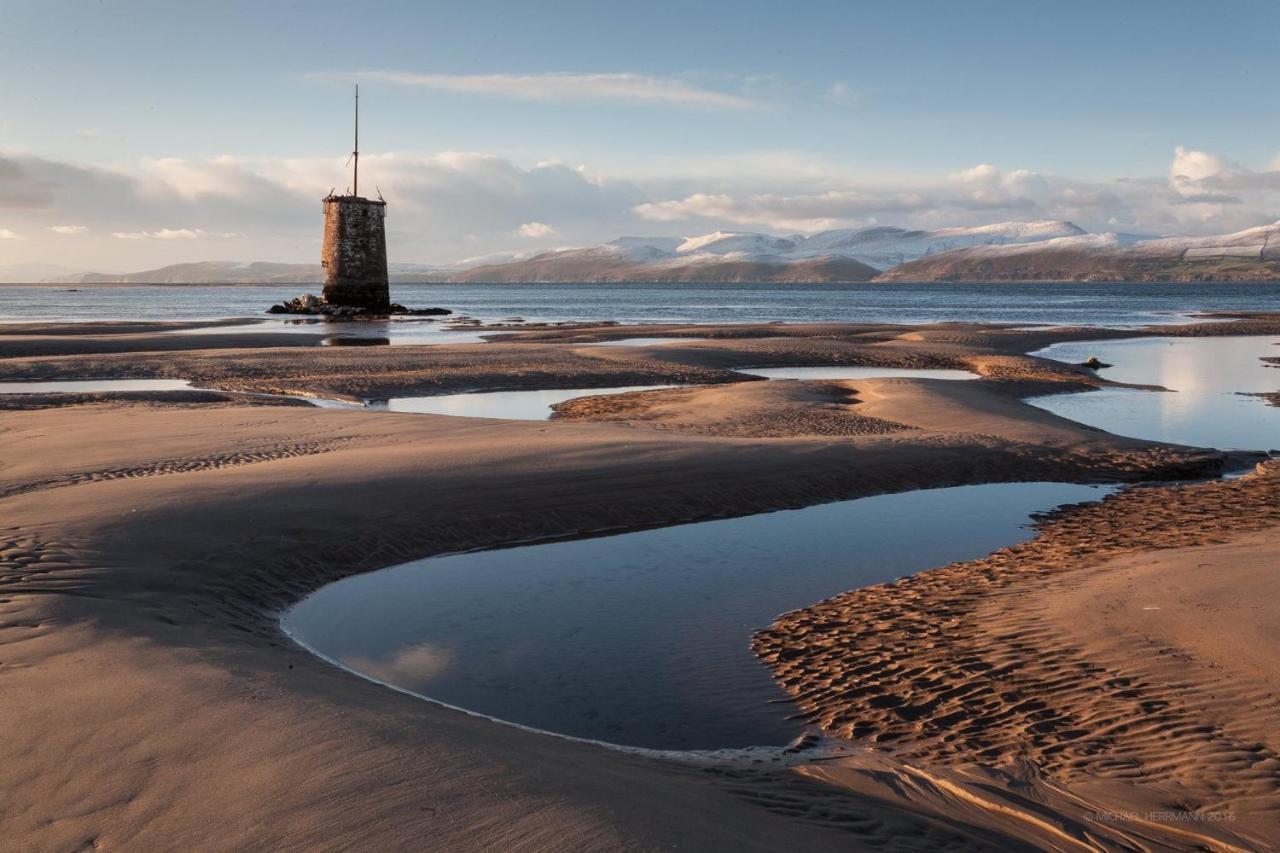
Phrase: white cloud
[1203,193]
[68,229]
[1221,196]
[698,204]
[1191,166]
[564,86]
[162,234]
[225,177]
[807,212]
[6,234]
[536,230]
[1203,178]
[435,202]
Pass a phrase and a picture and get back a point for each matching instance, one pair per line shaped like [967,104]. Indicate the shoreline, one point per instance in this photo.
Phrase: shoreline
[139,582]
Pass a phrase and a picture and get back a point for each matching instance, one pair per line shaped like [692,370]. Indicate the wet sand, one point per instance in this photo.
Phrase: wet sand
[1119,671]
[148,543]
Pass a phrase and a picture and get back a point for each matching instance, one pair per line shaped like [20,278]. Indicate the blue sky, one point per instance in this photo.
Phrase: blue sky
[757,111]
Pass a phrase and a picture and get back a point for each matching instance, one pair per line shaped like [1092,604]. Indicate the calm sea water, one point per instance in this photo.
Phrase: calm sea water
[1060,304]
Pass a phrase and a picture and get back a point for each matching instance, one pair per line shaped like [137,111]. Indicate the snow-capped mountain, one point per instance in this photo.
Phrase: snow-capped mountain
[884,247]
[881,247]
[1249,255]
[718,257]
[488,260]
[859,252]
[747,244]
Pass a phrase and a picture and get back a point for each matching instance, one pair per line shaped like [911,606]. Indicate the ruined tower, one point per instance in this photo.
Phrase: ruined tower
[354,255]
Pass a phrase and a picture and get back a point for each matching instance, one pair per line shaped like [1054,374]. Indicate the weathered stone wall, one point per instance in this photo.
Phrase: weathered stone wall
[354,255]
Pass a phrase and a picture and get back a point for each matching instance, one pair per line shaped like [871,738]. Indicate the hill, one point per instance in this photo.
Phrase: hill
[1249,255]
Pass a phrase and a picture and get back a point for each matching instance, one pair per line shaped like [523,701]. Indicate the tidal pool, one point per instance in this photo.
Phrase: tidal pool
[848,372]
[407,332]
[80,385]
[643,638]
[536,405]
[509,405]
[1203,407]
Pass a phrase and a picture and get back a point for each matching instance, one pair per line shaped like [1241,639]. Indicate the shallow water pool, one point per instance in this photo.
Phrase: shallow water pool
[509,405]
[536,405]
[643,638]
[353,333]
[1205,406]
[850,372]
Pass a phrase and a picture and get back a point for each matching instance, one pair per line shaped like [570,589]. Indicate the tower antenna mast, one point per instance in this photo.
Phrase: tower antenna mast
[355,155]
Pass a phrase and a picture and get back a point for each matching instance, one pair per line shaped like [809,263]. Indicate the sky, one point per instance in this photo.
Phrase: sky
[135,134]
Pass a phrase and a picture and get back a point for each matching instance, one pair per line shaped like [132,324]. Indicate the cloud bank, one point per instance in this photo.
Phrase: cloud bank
[562,86]
[1202,193]
[452,205]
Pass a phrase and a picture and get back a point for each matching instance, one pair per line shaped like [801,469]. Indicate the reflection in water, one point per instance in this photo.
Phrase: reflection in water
[343,341]
[510,405]
[1205,376]
[846,372]
[1181,364]
[405,332]
[644,638]
[536,405]
[418,664]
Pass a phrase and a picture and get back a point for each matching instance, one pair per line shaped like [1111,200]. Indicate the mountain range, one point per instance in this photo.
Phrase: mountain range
[839,255]
[1048,250]
[1249,255]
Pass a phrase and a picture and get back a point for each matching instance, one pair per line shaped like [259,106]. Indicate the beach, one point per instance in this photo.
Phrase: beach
[1063,693]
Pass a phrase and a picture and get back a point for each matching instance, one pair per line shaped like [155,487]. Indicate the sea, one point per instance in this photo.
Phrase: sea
[1119,305]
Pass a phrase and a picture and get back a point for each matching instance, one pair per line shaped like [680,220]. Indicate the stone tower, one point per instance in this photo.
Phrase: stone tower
[354,255]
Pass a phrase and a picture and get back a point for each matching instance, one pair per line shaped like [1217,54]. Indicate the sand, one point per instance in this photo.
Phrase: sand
[1115,675]
[150,702]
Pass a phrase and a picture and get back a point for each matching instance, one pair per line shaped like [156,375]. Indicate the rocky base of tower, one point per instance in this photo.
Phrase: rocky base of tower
[312,305]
